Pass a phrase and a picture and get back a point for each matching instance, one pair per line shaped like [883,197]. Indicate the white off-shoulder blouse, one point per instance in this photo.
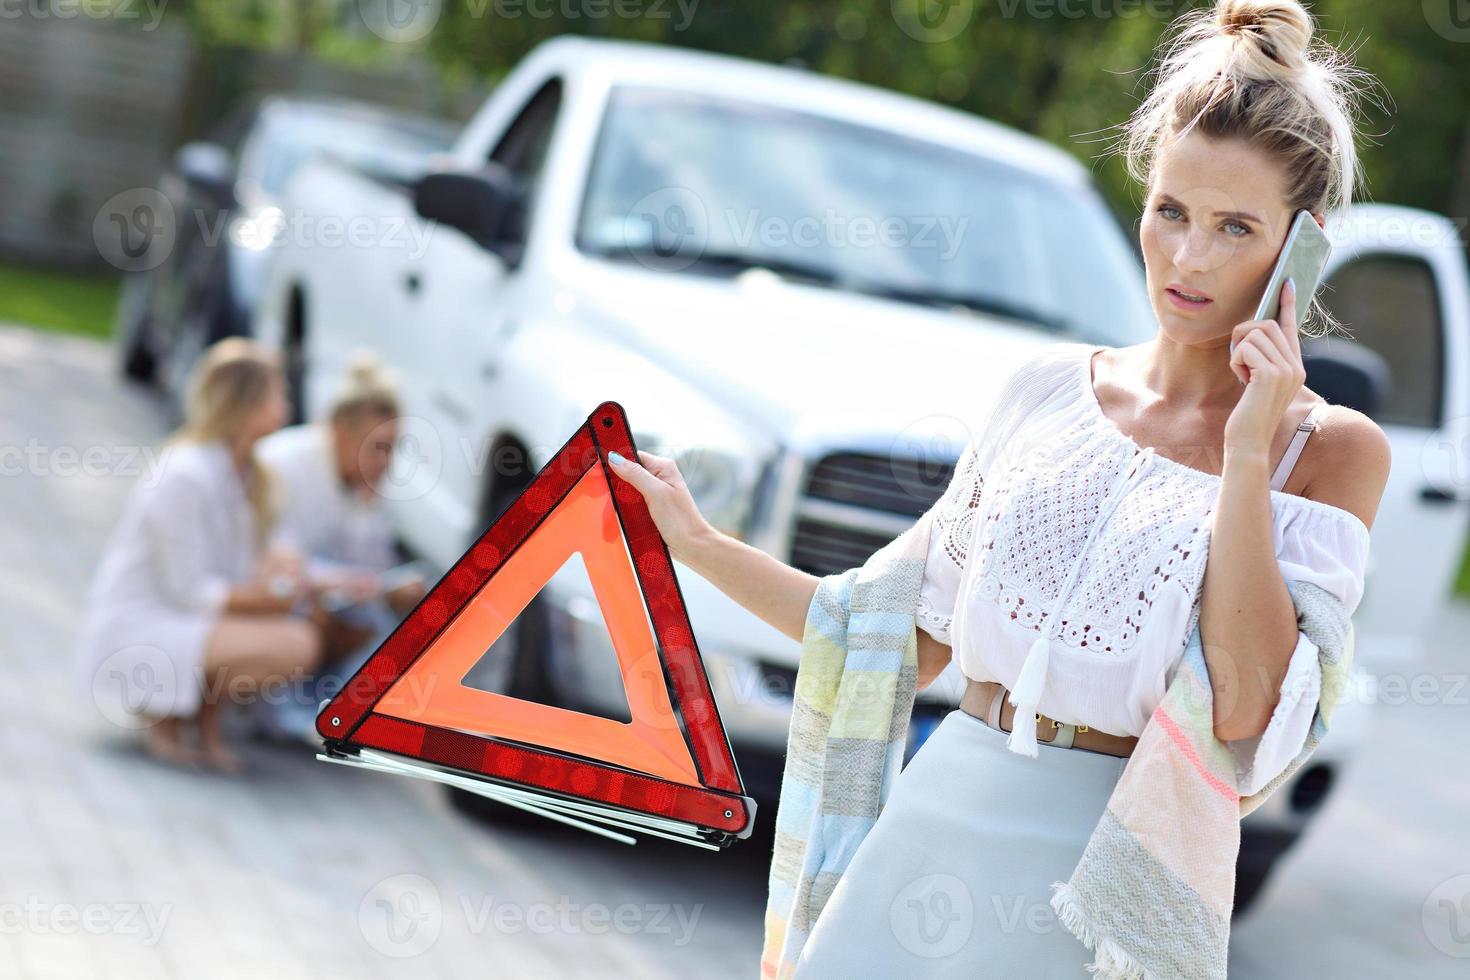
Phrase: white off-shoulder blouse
[1081,557]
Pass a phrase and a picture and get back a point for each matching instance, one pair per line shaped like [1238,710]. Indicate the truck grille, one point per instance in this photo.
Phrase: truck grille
[855,503]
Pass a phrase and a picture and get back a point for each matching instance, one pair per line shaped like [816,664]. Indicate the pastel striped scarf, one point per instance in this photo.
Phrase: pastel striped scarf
[1153,891]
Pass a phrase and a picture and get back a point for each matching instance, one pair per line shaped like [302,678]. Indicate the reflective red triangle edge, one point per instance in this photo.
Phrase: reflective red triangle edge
[348,721]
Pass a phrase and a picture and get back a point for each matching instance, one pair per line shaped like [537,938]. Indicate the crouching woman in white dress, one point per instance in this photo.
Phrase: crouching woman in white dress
[187,608]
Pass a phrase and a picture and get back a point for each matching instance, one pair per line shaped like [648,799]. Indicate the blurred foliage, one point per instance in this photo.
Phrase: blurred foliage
[1069,71]
[44,298]
[1462,580]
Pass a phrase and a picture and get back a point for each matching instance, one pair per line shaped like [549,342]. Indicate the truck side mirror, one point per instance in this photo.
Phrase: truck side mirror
[1346,374]
[207,169]
[485,204]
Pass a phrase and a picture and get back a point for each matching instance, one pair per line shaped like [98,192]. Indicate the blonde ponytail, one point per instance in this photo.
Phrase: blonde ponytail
[231,379]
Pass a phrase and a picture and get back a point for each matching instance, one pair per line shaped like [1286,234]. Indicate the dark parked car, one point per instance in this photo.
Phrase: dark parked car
[225,193]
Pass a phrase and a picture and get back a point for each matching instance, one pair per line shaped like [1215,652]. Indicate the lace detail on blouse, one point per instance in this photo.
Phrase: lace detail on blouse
[1041,520]
[1076,526]
[954,523]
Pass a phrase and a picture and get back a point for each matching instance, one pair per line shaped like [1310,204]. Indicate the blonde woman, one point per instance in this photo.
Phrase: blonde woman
[187,608]
[1068,557]
[332,513]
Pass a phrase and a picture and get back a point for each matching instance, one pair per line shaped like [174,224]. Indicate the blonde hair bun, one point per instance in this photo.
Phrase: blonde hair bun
[1254,70]
[1251,69]
[370,386]
[1275,35]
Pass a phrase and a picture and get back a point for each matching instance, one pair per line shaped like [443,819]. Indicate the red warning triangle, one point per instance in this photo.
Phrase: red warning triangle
[671,761]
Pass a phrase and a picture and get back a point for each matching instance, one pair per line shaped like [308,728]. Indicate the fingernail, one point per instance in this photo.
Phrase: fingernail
[1290,283]
[615,457]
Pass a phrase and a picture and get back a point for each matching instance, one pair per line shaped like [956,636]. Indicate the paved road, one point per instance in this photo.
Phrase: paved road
[113,866]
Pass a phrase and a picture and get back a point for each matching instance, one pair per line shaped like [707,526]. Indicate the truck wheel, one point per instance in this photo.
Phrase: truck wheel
[293,354]
[182,356]
[523,674]
[1259,851]
[130,330]
[294,367]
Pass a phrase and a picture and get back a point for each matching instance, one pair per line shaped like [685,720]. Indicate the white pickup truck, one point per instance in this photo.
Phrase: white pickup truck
[803,289]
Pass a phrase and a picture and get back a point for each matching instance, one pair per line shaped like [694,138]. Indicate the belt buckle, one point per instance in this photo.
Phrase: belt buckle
[1062,735]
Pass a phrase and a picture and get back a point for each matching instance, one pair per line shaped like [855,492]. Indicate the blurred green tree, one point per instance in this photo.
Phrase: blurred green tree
[1069,71]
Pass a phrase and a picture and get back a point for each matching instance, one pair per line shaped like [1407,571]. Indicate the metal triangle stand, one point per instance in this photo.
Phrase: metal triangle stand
[574,813]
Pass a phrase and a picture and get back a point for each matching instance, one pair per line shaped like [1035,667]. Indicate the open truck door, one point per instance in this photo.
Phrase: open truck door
[1397,281]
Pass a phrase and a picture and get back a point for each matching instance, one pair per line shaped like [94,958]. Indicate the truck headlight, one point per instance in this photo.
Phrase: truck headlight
[722,484]
[258,230]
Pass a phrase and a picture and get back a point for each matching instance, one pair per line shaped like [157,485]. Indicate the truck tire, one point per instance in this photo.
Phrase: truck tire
[1259,851]
[525,675]
[135,357]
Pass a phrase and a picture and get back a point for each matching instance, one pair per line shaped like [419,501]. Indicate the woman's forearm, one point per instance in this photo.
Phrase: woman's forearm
[933,657]
[767,587]
[1247,617]
[779,594]
[254,599]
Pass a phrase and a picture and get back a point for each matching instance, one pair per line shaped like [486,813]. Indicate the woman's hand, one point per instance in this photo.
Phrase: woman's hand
[352,585]
[1268,361]
[670,504]
[281,575]
[404,597]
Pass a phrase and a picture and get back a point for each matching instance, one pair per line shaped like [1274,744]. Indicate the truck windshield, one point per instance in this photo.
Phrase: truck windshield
[715,185]
[288,137]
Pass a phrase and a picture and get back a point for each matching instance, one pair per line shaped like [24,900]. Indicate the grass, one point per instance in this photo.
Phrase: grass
[1462,581]
[62,301]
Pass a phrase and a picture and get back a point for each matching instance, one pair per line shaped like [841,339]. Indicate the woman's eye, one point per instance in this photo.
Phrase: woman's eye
[1167,208]
[1236,224]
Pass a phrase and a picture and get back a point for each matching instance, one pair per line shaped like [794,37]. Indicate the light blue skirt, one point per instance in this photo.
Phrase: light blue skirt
[954,879]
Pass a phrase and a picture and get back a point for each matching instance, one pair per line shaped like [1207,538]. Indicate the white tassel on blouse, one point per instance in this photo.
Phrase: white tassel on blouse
[1026,695]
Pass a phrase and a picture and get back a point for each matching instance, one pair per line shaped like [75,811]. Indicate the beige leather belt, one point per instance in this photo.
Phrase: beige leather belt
[986,701]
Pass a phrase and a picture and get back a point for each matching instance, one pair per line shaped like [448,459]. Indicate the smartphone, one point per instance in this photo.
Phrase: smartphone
[1302,258]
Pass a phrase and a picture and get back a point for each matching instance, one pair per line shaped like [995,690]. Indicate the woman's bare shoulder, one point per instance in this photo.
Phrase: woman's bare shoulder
[1347,460]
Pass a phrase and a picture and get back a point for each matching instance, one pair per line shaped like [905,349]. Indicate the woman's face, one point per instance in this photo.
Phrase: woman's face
[1214,223]
[364,447]
[270,414]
